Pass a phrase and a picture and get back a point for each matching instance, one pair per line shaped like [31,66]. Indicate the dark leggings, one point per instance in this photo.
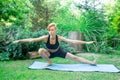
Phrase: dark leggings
[59,53]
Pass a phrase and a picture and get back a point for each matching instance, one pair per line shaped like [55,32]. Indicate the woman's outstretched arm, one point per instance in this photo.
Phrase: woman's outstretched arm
[32,39]
[74,41]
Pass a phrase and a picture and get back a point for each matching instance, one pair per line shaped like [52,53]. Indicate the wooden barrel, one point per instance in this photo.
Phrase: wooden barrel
[76,36]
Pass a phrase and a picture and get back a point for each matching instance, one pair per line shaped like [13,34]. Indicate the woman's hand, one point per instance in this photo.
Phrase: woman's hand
[17,41]
[90,42]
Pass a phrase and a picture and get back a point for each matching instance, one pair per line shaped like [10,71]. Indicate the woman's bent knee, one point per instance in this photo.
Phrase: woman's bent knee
[43,51]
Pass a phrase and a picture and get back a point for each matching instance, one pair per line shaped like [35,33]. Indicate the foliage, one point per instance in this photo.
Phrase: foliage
[2,34]
[42,14]
[20,50]
[4,56]
[14,11]
[93,25]
[89,20]
[64,18]
[19,18]
[113,33]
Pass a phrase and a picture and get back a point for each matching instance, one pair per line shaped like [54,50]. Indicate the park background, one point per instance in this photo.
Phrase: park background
[98,20]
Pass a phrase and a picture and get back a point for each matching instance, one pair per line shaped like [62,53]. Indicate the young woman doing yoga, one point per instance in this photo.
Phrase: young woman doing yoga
[52,46]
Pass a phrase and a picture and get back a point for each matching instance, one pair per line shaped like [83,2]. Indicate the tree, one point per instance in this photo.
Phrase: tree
[14,12]
[42,14]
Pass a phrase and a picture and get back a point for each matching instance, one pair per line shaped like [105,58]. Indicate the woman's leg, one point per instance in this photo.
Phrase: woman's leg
[80,59]
[45,54]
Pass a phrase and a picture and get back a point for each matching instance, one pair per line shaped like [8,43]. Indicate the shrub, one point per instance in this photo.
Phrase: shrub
[4,56]
[19,50]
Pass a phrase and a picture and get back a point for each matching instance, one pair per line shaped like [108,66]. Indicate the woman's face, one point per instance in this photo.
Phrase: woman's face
[52,30]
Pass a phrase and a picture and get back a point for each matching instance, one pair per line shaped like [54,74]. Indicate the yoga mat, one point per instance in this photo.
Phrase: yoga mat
[75,67]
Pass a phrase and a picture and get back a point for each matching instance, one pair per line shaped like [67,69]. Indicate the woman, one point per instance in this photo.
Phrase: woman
[53,49]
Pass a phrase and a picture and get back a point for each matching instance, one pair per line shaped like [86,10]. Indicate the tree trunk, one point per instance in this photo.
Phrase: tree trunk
[76,36]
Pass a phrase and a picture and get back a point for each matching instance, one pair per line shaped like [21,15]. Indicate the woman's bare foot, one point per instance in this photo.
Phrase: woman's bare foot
[94,61]
[48,64]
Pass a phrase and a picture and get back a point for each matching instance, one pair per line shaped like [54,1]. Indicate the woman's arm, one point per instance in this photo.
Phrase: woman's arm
[74,41]
[31,39]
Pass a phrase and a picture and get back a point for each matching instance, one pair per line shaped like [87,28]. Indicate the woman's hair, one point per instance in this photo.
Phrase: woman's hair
[51,25]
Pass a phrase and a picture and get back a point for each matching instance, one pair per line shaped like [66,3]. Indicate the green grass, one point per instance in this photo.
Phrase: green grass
[18,70]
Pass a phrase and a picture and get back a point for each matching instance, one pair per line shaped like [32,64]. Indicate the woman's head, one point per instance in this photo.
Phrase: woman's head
[51,25]
[52,28]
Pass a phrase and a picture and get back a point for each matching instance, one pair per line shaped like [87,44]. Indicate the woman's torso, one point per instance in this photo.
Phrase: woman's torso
[54,46]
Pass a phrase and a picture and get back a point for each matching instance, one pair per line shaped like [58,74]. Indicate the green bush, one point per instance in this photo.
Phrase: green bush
[4,56]
[19,50]
[2,34]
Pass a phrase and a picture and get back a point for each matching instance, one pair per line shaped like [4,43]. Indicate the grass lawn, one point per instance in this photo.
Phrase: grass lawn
[18,70]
